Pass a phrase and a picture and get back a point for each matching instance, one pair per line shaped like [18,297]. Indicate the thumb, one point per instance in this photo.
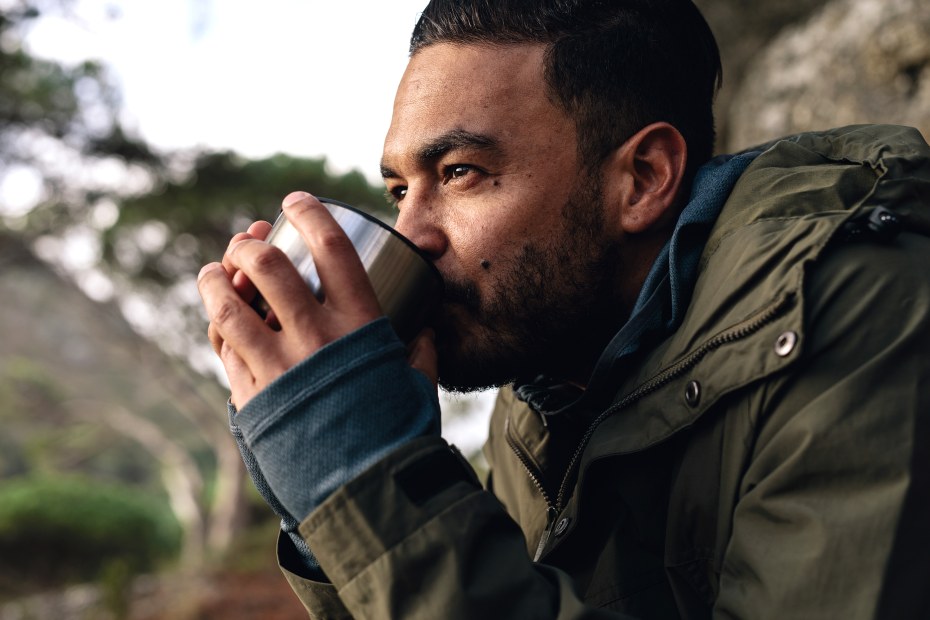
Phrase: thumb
[421,355]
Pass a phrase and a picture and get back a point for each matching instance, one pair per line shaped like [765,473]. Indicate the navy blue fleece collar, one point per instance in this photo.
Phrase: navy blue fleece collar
[666,292]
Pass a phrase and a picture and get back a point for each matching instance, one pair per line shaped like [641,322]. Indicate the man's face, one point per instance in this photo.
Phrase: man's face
[486,174]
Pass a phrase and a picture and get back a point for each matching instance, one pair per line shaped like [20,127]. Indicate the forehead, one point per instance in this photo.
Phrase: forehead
[497,91]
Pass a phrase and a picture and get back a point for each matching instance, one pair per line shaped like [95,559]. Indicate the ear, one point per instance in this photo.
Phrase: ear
[646,173]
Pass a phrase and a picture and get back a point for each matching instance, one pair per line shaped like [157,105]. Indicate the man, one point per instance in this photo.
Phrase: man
[714,400]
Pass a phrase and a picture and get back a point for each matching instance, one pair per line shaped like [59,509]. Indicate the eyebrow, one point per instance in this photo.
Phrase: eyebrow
[447,142]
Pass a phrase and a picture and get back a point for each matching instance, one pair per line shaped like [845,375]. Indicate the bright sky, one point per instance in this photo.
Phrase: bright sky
[305,77]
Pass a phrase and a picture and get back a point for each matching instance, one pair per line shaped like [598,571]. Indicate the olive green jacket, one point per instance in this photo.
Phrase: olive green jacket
[771,458]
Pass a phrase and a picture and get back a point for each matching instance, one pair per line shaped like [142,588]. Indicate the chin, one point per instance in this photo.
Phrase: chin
[466,384]
[471,357]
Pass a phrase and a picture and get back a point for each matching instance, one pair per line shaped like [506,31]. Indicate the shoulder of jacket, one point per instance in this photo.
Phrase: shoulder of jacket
[830,175]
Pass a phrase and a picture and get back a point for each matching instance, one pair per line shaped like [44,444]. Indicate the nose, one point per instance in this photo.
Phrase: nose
[417,223]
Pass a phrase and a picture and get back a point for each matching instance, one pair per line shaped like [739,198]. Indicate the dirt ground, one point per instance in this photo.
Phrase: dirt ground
[260,594]
[263,595]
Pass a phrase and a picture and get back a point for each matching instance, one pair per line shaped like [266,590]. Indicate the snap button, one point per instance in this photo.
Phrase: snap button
[561,526]
[884,224]
[693,393]
[784,345]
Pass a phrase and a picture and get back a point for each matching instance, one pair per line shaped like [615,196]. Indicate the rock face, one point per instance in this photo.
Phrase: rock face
[743,29]
[855,61]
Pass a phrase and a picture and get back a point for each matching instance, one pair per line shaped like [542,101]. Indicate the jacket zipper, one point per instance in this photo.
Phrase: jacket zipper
[746,328]
[536,478]
[551,514]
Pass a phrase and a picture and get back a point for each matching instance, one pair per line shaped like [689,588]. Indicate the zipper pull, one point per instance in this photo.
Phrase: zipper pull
[551,514]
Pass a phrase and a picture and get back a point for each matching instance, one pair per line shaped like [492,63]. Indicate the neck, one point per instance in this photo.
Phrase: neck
[636,258]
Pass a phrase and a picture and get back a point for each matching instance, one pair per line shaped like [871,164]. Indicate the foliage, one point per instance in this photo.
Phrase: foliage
[43,437]
[36,93]
[220,195]
[61,122]
[26,384]
[150,219]
[161,238]
[55,531]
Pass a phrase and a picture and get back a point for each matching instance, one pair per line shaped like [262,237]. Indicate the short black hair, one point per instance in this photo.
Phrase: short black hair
[614,66]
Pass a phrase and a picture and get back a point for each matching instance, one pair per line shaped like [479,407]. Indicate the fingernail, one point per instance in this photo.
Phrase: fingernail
[294,197]
[208,268]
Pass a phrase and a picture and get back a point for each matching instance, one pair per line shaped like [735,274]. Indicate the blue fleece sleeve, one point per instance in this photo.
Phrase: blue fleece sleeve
[335,414]
[289,524]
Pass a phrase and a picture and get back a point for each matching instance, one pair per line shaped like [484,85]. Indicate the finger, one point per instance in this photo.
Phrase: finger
[233,322]
[342,275]
[271,319]
[216,340]
[259,230]
[245,288]
[242,384]
[421,355]
[276,277]
[230,268]
[240,282]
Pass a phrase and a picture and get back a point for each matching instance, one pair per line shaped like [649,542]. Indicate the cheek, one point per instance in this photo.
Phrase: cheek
[483,243]
[487,233]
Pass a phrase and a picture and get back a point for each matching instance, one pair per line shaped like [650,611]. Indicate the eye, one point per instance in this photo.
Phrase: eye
[396,194]
[457,171]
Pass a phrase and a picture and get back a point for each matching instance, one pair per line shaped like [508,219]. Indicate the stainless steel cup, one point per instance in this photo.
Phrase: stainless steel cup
[408,286]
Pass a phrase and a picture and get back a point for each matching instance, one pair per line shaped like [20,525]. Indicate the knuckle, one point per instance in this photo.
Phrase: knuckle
[268,260]
[226,312]
[226,353]
[333,240]
[236,239]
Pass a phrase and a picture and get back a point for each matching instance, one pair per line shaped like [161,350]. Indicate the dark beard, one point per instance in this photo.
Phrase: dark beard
[551,311]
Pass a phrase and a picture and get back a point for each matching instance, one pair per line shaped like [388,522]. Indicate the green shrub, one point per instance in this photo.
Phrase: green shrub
[54,531]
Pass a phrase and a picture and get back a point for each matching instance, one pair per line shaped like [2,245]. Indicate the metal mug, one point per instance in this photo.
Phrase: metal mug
[408,286]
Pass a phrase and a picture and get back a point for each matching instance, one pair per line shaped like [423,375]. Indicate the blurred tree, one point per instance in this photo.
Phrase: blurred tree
[141,223]
[145,221]
[162,237]
[68,529]
[60,125]
[219,195]
[59,129]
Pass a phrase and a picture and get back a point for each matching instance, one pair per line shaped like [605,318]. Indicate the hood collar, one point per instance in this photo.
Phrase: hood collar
[664,296]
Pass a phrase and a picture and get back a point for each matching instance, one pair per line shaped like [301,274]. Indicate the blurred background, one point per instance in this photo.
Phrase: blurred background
[135,138]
